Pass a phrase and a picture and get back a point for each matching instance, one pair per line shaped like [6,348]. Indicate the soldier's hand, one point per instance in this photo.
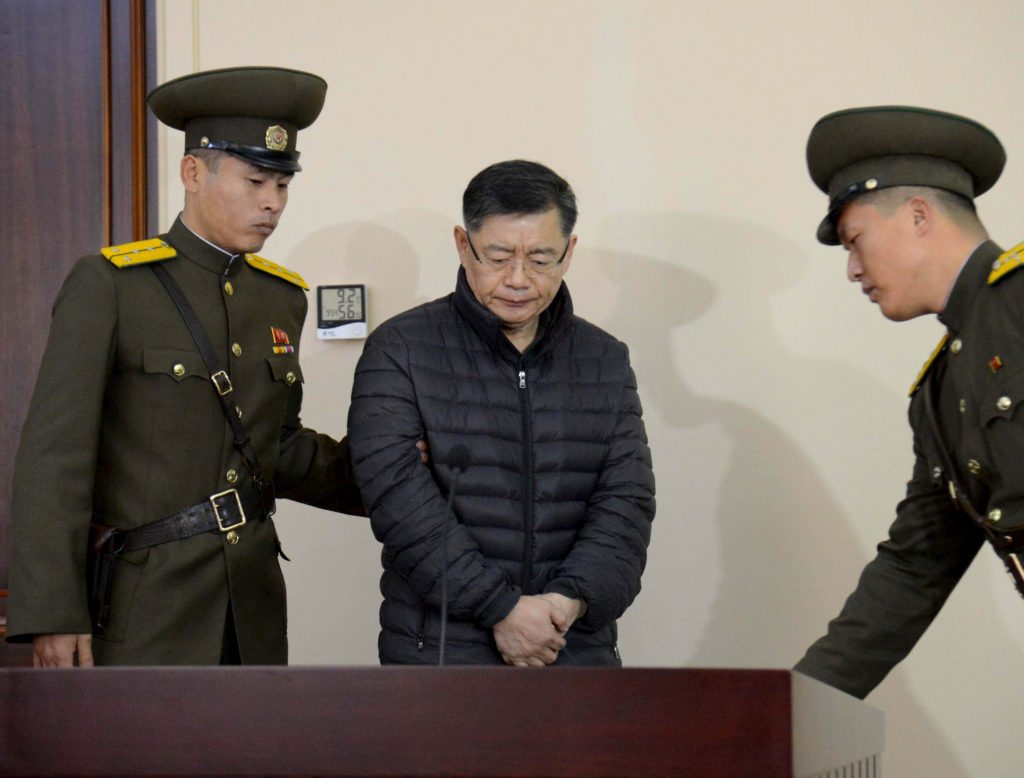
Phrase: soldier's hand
[424,450]
[62,650]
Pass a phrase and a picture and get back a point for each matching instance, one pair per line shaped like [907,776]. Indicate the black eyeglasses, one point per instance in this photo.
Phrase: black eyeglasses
[535,268]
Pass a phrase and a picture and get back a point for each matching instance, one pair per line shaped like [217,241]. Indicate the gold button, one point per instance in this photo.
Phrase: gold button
[290,377]
[995,515]
[974,466]
[179,370]
[1004,403]
[229,288]
[236,349]
[232,476]
[936,473]
[238,411]
[232,537]
[963,405]
[956,345]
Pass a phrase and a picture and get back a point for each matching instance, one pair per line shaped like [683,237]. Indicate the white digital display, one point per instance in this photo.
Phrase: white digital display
[341,311]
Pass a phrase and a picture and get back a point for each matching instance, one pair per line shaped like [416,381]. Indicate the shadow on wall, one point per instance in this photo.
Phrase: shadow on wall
[733,485]
[390,255]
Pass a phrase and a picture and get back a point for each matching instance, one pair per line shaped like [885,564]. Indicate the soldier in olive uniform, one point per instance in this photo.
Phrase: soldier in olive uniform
[901,184]
[127,429]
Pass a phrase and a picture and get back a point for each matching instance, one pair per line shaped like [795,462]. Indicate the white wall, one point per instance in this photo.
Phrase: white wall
[775,395]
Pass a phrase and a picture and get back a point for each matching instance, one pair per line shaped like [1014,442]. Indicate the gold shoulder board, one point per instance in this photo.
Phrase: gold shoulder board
[1007,263]
[274,269]
[927,365]
[139,253]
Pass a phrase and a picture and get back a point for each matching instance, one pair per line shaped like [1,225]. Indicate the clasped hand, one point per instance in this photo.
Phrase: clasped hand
[534,631]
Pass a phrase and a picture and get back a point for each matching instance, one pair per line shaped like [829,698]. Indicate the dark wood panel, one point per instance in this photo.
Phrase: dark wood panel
[469,721]
[397,721]
[48,216]
[65,174]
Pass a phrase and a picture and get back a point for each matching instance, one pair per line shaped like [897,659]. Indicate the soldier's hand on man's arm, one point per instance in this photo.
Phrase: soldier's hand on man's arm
[528,637]
[61,650]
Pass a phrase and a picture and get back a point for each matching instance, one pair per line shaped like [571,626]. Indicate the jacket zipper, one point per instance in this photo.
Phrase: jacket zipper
[524,407]
[421,637]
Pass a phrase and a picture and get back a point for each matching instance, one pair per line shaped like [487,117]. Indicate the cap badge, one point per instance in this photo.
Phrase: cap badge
[277,138]
[871,183]
[204,141]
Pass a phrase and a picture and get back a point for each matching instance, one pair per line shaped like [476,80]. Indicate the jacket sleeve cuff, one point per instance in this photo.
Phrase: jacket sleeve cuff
[498,607]
[564,587]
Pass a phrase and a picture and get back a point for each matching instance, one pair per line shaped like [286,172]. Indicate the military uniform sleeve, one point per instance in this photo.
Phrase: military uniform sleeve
[405,504]
[55,466]
[314,468]
[606,561]
[930,546]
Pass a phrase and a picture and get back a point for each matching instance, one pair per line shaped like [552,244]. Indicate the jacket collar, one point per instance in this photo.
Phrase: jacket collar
[968,284]
[192,247]
[556,322]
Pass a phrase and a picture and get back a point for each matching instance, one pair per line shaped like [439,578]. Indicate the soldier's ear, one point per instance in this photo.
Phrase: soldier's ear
[922,212]
[190,173]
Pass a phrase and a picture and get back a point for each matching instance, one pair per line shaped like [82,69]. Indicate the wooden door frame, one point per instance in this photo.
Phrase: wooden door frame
[125,200]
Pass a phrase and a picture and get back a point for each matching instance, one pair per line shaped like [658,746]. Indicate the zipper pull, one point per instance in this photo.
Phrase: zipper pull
[522,379]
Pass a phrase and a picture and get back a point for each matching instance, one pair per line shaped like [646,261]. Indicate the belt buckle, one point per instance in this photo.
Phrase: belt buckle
[222,384]
[216,510]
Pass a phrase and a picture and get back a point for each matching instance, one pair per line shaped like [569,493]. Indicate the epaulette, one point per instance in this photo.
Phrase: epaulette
[927,365]
[140,252]
[274,269]
[1008,262]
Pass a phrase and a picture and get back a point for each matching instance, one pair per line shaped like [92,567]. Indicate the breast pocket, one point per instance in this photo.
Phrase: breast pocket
[1002,401]
[285,369]
[179,398]
[177,364]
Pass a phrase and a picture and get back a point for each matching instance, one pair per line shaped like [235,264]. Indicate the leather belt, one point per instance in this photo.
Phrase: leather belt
[221,512]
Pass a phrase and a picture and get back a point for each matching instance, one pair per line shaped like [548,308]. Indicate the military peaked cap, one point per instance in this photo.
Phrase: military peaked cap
[860,150]
[254,112]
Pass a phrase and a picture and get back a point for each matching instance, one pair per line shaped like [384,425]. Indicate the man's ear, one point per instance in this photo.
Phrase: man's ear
[191,171]
[568,255]
[923,214]
[462,246]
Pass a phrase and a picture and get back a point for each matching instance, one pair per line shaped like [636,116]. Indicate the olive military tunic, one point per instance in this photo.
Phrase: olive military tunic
[124,428]
[980,377]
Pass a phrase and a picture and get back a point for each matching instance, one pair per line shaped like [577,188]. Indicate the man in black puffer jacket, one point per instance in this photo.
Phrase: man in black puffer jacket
[553,515]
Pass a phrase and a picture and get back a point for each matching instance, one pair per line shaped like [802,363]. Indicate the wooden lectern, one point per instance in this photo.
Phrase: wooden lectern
[421,721]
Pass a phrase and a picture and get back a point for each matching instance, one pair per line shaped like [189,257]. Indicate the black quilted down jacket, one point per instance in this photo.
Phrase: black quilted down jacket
[558,495]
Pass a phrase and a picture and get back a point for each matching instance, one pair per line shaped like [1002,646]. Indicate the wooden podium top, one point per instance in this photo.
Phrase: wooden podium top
[468,721]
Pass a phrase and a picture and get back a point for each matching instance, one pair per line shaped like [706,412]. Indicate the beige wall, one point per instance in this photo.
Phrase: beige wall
[774,393]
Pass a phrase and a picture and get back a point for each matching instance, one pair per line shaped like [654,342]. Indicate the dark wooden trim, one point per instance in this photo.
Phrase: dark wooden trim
[467,721]
[107,197]
[84,175]
[140,139]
